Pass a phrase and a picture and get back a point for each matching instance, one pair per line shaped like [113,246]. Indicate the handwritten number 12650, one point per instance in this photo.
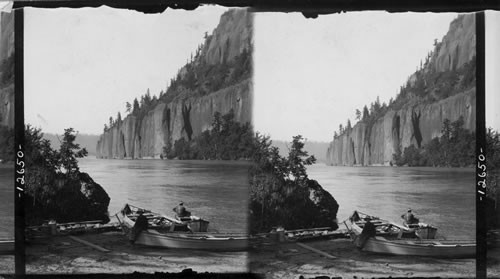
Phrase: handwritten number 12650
[482,167]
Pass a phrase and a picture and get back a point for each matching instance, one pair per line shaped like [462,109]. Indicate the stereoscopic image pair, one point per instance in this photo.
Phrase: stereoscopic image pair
[228,140]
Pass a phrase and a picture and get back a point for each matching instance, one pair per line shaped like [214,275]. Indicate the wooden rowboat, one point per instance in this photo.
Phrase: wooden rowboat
[394,239]
[170,235]
[7,246]
[164,223]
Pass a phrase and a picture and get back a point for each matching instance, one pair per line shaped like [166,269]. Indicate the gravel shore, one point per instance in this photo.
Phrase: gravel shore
[7,264]
[62,255]
[290,260]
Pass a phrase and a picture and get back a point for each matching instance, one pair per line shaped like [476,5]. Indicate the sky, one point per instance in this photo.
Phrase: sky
[492,71]
[312,74]
[82,65]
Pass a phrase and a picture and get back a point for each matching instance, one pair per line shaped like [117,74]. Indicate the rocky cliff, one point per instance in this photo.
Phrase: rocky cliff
[418,120]
[187,111]
[6,69]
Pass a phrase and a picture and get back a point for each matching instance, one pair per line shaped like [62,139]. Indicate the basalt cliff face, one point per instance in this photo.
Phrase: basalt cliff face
[6,69]
[415,122]
[187,113]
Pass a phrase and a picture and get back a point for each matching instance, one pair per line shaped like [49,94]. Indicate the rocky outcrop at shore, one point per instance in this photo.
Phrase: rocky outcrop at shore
[276,203]
[420,118]
[74,199]
[282,195]
[187,111]
[324,213]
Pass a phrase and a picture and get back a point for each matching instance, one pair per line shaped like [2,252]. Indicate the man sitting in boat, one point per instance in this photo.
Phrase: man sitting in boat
[181,213]
[409,219]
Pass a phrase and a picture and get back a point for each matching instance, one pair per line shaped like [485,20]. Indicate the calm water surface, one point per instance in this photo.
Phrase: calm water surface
[214,190]
[6,202]
[438,196]
[218,191]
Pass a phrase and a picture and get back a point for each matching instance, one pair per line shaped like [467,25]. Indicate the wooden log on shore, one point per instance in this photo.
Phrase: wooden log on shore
[316,250]
[99,248]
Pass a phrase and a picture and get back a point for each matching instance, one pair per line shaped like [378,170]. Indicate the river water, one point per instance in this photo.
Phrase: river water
[443,197]
[218,191]
[214,190]
[6,202]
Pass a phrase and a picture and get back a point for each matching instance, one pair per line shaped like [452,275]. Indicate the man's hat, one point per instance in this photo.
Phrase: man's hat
[409,209]
[181,203]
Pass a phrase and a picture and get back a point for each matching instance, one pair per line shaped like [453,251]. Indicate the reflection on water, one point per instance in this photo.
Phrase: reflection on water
[214,190]
[439,196]
[6,202]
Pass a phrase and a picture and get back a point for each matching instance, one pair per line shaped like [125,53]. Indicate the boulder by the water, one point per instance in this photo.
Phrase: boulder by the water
[325,204]
[276,203]
[73,199]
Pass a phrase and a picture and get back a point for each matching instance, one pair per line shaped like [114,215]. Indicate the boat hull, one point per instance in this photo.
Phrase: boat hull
[7,247]
[184,241]
[450,249]
[410,246]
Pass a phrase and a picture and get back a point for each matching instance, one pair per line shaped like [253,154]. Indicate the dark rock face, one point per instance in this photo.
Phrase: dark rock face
[96,199]
[71,200]
[276,203]
[326,205]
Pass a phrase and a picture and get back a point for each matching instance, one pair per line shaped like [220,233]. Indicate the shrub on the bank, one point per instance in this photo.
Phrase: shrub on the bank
[455,148]
[226,140]
[492,152]
[55,187]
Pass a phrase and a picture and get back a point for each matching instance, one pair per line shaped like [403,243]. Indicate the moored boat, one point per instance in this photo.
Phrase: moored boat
[390,238]
[163,231]
[164,223]
[7,246]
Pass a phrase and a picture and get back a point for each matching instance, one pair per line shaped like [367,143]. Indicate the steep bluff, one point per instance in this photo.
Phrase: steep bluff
[374,145]
[416,121]
[146,139]
[6,35]
[6,69]
[458,45]
[188,110]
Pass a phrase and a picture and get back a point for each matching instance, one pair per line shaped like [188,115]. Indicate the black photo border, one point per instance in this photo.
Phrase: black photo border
[310,9]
